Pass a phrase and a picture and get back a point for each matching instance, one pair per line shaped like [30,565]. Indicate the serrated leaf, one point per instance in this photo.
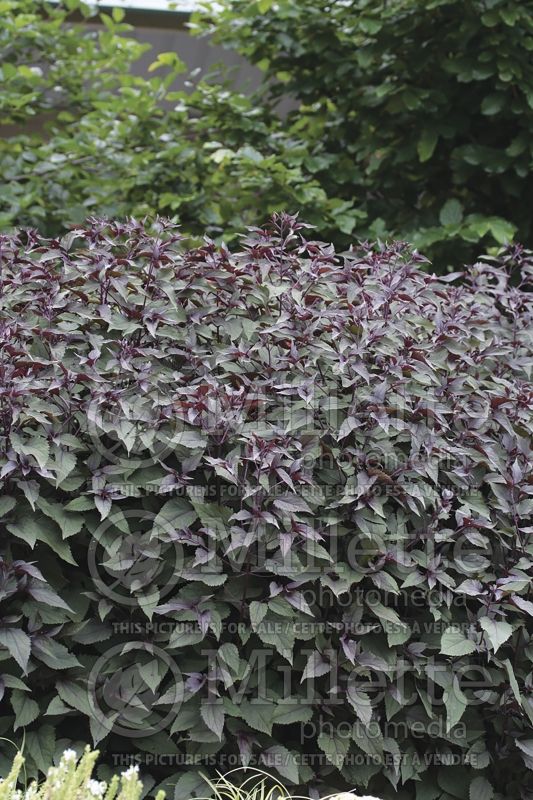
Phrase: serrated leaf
[35,446]
[213,715]
[455,702]
[497,631]
[74,695]
[315,667]
[455,643]
[26,710]
[190,785]
[258,612]
[40,745]
[523,604]
[42,593]
[54,654]
[282,760]
[335,748]
[289,710]
[259,715]
[360,703]
[229,654]
[18,643]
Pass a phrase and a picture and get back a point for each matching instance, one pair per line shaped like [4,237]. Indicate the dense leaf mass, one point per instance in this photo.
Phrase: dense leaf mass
[270,504]
[416,111]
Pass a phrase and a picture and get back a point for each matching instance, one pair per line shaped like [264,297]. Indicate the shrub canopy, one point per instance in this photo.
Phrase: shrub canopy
[270,503]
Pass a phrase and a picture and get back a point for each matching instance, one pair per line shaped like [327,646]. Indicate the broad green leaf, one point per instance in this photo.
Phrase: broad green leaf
[496,631]
[289,710]
[18,643]
[360,703]
[40,744]
[451,212]
[258,714]
[7,504]
[335,748]
[282,760]
[213,715]
[54,654]
[455,643]
[26,710]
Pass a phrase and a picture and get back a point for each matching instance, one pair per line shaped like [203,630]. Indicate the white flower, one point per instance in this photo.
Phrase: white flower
[68,755]
[351,796]
[131,772]
[96,788]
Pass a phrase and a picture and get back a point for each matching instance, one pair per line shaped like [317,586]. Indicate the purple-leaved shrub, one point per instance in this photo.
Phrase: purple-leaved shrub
[270,506]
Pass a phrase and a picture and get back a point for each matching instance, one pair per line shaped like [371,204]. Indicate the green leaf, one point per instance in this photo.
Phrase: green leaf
[26,710]
[213,715]
[497,631]
[18,643]
[502,230]
[229,655]
[168,59]
[6,504]
[360,703]
[451,212]
[481,789]
[456,703]
[455,643]
[35,446]
[512,681]
[493,103]
[257,612]
[75,696]
[54,654]
[289,710]
[190,784]
[279,634]
[40,744]
[282,760]
[26,528]
[335,748]
[69,523]
[259,715]
[426,145]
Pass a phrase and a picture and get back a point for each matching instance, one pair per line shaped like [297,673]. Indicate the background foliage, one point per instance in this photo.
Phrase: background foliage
[103,141]
[411,119]
[301,481]
[417,112]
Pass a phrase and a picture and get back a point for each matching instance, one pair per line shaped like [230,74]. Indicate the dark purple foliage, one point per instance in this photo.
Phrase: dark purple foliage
[273,504]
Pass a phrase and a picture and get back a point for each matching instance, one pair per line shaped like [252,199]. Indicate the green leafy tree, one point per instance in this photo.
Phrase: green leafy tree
[85,136]
[410,120]
[55,74]
[417,111]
